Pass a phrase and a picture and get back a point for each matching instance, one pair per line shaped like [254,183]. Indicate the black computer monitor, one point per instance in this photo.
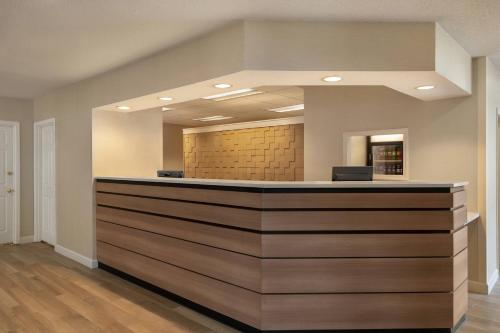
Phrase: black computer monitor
[352,173]
[171,173]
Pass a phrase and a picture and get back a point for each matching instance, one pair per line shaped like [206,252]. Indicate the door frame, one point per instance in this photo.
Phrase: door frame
[37,142]
[16,182]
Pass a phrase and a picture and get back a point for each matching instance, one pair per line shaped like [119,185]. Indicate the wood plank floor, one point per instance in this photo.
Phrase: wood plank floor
[41,291]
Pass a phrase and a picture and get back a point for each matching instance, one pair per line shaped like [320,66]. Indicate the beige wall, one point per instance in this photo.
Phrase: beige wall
[358,146]
[483,235]
[127,143]
[258,45]
[72,106]
[173,158]
[492,105]
[442,142]
[443,136]
[22,111]
[303,46]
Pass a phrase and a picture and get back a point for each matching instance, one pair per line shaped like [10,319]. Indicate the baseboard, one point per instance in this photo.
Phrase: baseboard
[478,287]
[85,261]
[492,281]
[484,288]
[26,239]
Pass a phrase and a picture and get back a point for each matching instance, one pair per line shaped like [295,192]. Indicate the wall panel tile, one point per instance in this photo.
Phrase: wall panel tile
[264,153]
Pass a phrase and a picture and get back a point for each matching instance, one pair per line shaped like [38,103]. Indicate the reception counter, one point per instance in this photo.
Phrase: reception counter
[294,255]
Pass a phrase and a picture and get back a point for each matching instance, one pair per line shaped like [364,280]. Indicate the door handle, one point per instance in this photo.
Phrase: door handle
[10,190]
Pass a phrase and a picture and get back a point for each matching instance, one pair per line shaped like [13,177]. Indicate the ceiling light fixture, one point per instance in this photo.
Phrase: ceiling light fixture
[164,108]
[250,93]
[222,85]
[387,138]
[426,87]
[212,118]
[289,108]
[165,98]
[334,78]
[123,107]
[230,93]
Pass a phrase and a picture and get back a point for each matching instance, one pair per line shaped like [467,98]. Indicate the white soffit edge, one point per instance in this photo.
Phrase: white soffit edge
[248,124]
[452,61]
[412,55]
[404,82]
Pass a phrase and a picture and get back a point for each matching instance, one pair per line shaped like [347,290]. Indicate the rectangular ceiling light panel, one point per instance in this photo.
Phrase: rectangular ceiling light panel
[297,107]
[212,118]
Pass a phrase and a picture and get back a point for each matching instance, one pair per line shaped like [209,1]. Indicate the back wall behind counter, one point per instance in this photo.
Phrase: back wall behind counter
[442,142]
[442,137]
[259,153]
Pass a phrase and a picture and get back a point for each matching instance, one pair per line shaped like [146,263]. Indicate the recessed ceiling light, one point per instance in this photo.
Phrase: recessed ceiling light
[289,108]
[123,107]
[212,118]
[334,78]
[166,109]
[165,98]
[222,85]
[229,93]
[426,87]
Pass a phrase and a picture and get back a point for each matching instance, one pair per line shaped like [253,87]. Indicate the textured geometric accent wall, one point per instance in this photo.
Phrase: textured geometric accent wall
[263,153]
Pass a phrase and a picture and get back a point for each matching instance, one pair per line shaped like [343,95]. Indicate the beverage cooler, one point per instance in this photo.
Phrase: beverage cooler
[386,157]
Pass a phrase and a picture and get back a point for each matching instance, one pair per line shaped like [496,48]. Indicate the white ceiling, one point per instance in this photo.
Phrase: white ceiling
[49,43]
[241,109]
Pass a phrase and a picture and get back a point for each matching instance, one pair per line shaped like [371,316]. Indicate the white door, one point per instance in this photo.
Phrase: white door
[7,180]
[45,181]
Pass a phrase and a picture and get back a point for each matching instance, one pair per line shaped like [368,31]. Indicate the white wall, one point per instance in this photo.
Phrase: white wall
[128,144]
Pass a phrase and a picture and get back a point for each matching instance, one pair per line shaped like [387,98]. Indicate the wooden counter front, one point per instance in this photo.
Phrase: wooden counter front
[294,258]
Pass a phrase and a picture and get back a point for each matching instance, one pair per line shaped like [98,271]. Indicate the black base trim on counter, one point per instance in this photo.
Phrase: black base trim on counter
[181,300]
[256,189]
[249,329]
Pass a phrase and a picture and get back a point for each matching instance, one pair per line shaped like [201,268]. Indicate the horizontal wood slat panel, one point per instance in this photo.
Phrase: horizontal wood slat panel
[460,270]
[459,198]
[224,265]
[459,218]
[291,245]
[358,245]
[287,260]
[460,302]
[459,241]
[243,218]
[357,311]
[225,238]
[232,301]
[364,200]
[287,275]
[280,312]
[235,198]
[360,220]
[357,275]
